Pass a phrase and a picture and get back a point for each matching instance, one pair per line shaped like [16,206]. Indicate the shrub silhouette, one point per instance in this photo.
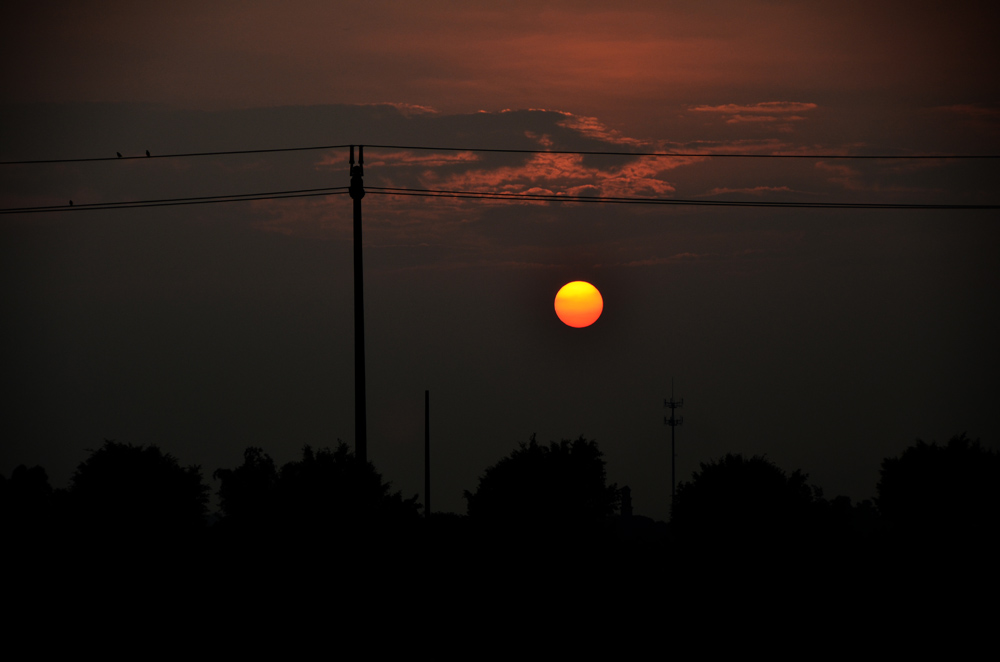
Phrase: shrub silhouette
[326,492]
[334,487]
[559,486]
[247,493]
[128,490]
[742,497]
[26,501]
[931,489]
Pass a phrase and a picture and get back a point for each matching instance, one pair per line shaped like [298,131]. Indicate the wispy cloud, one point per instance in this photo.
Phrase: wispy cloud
[738,119]
[591,127]
[677,257]
[566,173]
[852,179]
[755,190]
[842,175]
[315,218]
[974,111]
[403,159]
[690,257]
[765,107]
[769,146]
[981,118]
[406,109]
[778,112]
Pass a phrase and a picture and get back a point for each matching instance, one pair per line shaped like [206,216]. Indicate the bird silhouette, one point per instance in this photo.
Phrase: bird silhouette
[147,152]
[119,154]
[70,203]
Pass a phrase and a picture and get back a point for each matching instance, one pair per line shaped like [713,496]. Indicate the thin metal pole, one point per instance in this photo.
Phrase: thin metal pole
[673,422]
[427,453]
[673,463]
[357,192]
[673,445]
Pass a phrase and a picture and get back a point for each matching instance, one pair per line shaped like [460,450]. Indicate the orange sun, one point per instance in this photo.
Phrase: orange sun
[578,304]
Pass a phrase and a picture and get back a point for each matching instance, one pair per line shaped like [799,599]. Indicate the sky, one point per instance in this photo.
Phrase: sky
[824,339]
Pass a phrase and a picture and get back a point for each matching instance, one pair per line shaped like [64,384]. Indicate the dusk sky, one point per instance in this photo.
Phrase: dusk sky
[826,339]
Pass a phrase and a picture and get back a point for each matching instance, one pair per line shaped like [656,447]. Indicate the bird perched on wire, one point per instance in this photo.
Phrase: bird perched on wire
[147,152]
[119,154]
[70,203]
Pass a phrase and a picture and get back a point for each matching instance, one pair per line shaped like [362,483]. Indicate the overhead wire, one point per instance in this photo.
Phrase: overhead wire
[707,155]
[488,195]
[171,202]
[174,155]
[542,197]
[485,195]
[731,155]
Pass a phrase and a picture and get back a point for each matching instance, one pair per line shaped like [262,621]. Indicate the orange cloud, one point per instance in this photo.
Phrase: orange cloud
[841,174]
[592,127]
[689,257]
[766,107]
[401,159]
[315,218]
[427,160]
[756,190]
[566,173]
[769,145]
[974,111]
[760,113]
[406,109]
[851,179]
[737,119]
[650,262]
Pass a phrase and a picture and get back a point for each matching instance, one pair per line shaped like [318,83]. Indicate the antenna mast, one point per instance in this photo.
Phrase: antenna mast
[673,422]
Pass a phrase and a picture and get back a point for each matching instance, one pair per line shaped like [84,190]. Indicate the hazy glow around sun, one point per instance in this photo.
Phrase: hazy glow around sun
[578,304]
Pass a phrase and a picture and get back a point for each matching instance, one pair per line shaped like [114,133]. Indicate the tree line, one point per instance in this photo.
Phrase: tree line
[555,491]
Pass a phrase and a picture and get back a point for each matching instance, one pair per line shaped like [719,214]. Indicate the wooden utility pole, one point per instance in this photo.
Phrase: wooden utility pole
[357,192]
[427,453]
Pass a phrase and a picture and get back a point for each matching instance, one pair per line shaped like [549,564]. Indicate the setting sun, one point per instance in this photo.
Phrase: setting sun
[579,304]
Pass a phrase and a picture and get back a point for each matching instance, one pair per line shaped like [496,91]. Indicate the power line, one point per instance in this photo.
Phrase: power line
[516,151]
[539,197]
[691,154]
[171,202]
[174,156]
[483,195]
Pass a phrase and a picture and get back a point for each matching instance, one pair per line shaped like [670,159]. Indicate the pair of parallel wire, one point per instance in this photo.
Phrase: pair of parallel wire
[487,195]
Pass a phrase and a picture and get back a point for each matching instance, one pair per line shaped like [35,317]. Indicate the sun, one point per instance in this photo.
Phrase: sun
[579,304]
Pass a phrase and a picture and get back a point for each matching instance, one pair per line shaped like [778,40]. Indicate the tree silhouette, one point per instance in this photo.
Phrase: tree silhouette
[326,493]
[247,493]
[558,488]
[336,488]
[742,497]
[932,489]
[26,501]
[123,489]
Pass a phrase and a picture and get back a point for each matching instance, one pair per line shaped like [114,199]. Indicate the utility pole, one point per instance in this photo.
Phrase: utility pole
[357,192]
[673,422]
[427,453]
